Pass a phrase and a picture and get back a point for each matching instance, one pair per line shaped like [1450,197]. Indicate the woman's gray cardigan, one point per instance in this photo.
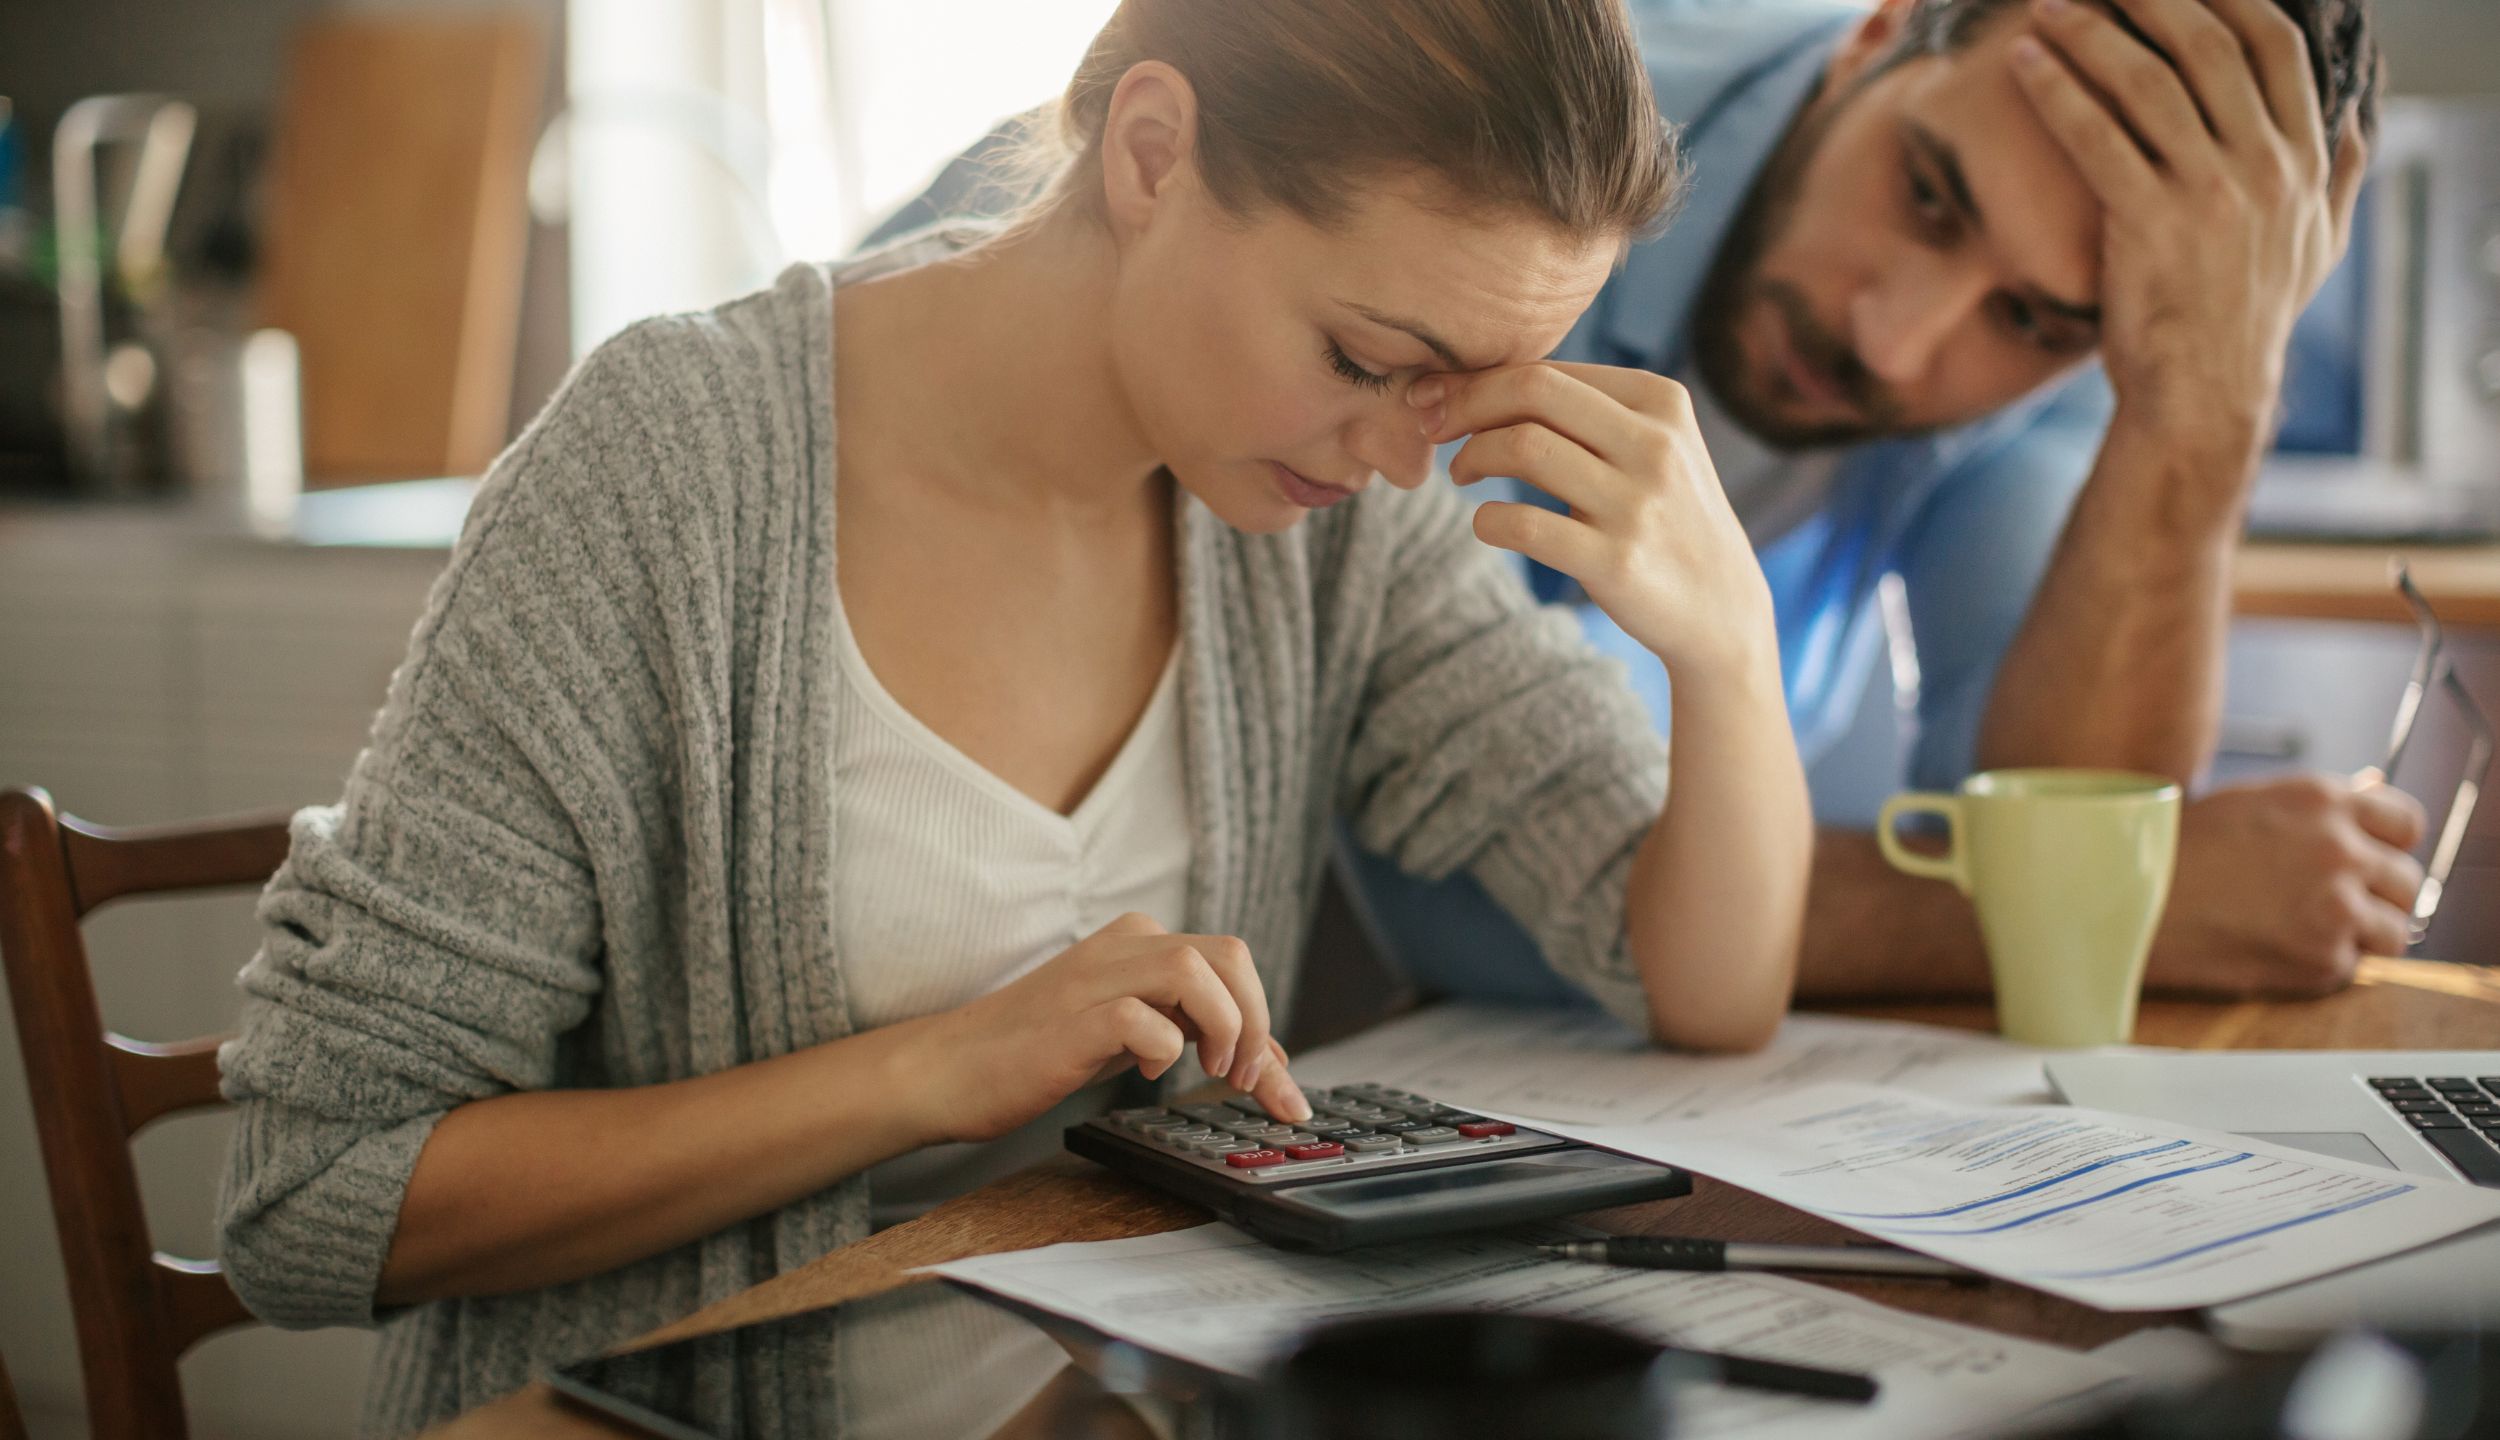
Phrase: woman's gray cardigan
[590,842]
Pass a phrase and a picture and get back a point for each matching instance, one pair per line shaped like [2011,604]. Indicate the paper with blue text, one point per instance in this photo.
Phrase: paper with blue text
[2108,1210]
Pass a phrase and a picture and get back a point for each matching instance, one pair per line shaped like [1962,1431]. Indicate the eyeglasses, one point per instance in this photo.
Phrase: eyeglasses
[2432,669]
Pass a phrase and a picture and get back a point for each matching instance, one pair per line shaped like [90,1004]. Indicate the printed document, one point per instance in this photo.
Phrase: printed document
[1586,1067]
[2108,1210]
[1215,1296]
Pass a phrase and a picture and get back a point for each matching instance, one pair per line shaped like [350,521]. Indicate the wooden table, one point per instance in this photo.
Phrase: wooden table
[2350,582]
[2395,1005]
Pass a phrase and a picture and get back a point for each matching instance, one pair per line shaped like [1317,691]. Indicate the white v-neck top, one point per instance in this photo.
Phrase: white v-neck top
[955,883]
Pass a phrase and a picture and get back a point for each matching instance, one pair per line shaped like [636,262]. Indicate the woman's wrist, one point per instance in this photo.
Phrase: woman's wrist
[911,1069]
[1742,680]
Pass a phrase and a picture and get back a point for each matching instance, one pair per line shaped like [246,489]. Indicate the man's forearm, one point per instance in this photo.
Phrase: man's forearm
[1875,933]
[2119,664]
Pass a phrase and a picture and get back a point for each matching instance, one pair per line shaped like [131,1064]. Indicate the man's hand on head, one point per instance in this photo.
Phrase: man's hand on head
[2223,210]
[2283,885]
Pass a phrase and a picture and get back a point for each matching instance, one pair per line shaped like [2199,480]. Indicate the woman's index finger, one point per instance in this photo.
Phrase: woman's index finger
[1559,396]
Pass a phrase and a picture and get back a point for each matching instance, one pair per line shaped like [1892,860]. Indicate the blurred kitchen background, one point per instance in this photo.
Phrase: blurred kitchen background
[278,278]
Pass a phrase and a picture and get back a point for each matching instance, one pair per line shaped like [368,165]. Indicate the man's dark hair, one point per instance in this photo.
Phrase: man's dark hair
[2343,53]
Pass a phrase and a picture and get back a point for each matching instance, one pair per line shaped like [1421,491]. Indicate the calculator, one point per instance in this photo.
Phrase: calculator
[1372,1165]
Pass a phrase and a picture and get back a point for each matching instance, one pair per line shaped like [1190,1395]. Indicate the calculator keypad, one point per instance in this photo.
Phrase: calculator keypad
[1352,1127]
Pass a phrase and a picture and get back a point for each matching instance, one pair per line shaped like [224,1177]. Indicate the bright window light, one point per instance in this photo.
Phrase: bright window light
[708,143]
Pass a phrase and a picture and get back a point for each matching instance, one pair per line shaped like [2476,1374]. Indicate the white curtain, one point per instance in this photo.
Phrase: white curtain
[710,142]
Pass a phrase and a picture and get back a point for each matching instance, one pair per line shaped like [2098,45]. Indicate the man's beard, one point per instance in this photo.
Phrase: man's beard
[1735,289]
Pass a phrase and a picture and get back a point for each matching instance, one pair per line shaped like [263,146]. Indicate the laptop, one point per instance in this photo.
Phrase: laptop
[2428,1113]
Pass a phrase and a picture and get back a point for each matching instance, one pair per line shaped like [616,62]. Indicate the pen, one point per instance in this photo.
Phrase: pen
[1661,1252]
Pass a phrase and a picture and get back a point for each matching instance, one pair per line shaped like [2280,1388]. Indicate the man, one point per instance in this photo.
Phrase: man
[1909,237]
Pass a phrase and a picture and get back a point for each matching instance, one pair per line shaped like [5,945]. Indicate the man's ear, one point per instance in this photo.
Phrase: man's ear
[1149,140]
[1869,41]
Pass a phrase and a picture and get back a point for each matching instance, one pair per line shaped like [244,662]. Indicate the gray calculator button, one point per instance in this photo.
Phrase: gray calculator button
[1142,1112]
[1220,1145]
[1370,1144]
[1433,1135]
[1210,1114]
[1246,1105]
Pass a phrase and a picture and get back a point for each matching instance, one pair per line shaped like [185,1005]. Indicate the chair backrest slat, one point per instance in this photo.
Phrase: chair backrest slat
[159,1080]
[12,1423]
[137,1310]
[198,1302]
[108,862]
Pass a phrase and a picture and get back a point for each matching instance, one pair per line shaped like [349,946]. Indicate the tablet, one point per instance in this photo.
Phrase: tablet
[651,1391]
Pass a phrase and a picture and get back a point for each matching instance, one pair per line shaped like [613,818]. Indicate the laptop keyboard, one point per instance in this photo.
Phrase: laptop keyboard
[2458,1115]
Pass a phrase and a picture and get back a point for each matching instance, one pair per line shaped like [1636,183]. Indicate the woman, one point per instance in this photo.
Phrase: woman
[861,721]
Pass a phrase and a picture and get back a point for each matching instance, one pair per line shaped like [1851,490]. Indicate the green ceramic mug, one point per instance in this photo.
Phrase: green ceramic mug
[2069,870]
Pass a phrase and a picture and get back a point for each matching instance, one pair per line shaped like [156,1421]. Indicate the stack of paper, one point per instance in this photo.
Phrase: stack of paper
[1938,1153]
[1216,1296]
[1586,1067]
[2108,1210]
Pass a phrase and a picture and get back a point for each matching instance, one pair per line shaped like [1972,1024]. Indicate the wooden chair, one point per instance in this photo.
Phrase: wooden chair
[137,1310]
[12,1424]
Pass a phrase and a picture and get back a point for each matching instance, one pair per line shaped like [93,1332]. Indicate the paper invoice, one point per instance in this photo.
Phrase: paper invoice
[1585,1066]
[2104,1209]
[1216,1296]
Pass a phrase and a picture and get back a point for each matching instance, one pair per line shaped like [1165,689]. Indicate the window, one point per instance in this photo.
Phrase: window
[710,142]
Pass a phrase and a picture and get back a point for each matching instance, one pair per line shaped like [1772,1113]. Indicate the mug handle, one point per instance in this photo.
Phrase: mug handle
[1949,865]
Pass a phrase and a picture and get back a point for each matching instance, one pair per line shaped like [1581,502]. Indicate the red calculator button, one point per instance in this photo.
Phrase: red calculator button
[1483,1129]
[1325,1149]
[1253,1159]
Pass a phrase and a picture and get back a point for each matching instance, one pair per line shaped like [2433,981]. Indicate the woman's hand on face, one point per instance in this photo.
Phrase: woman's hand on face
[1131,993]
[1651,536]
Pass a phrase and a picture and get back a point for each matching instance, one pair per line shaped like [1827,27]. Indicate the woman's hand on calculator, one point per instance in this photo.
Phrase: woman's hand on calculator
[1131,993]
